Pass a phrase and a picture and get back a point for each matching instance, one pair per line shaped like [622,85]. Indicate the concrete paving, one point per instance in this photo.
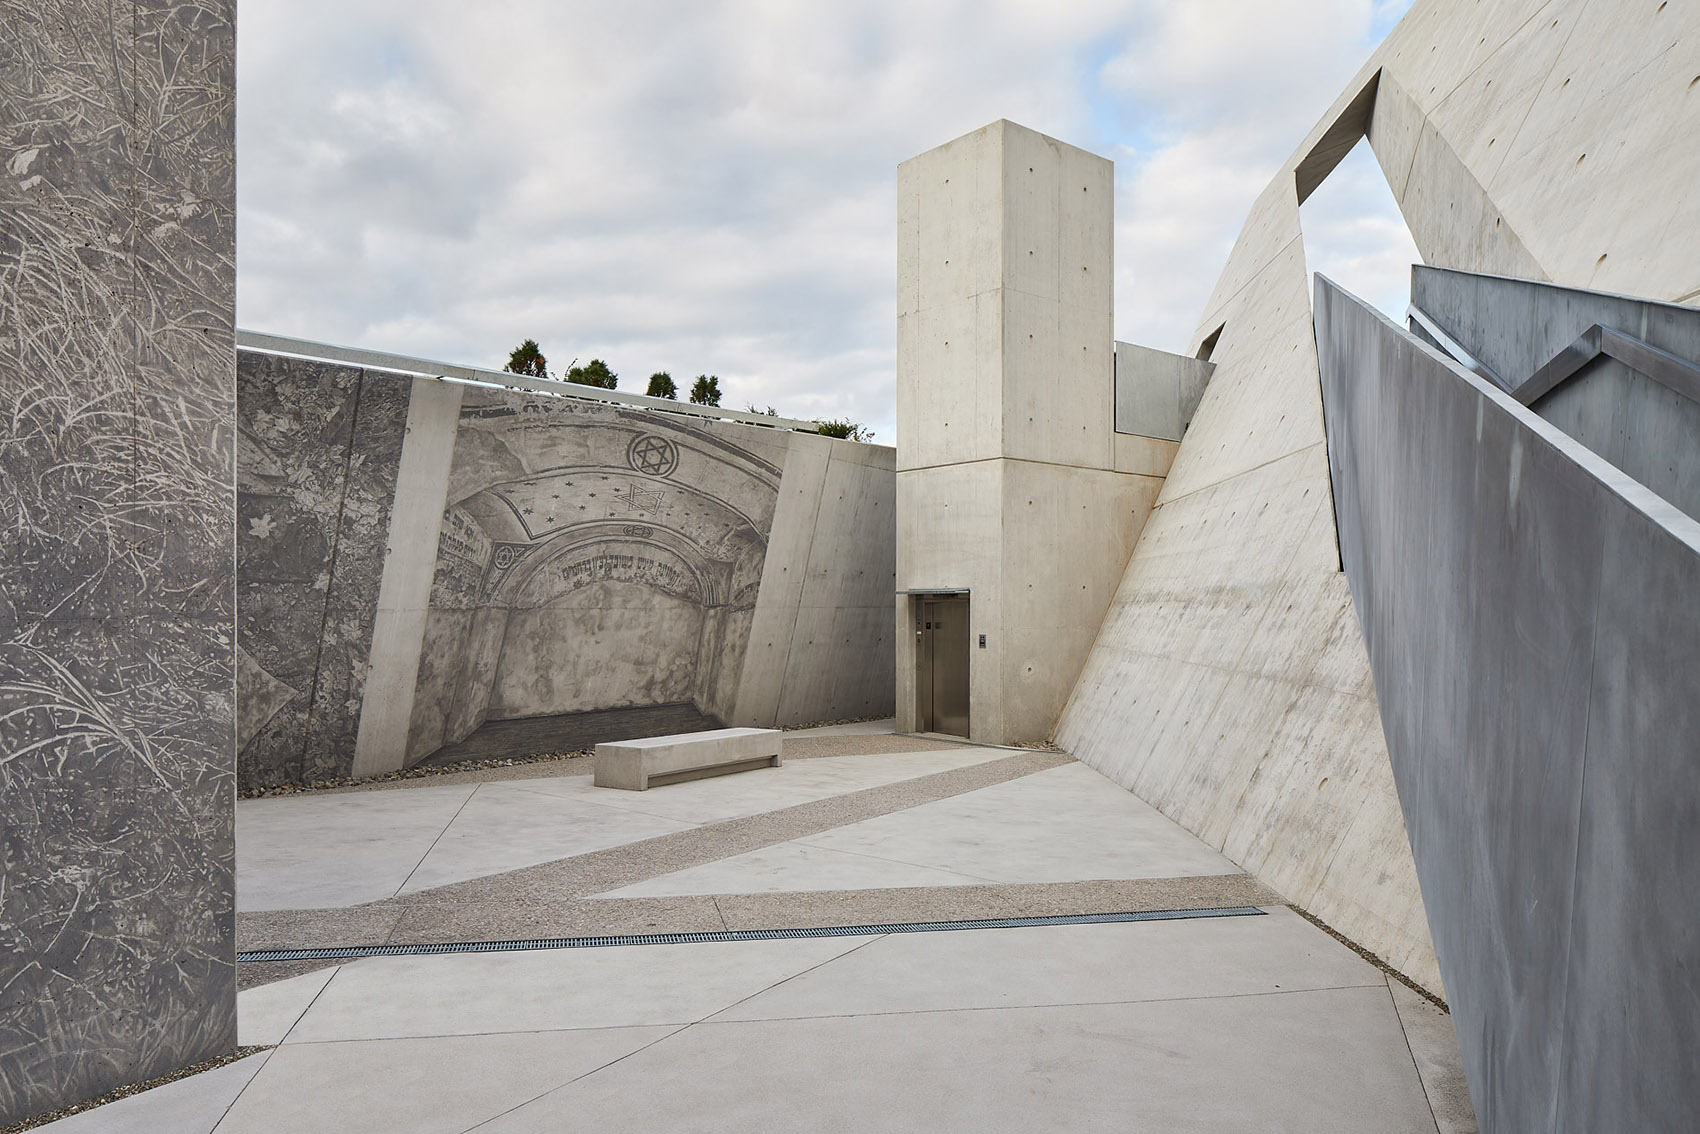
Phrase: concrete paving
[1256,1021]
[1209,1024]
[317,851]
[1067,824]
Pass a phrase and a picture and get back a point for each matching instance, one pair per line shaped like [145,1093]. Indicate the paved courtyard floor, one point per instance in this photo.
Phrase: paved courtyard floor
[1201,1020]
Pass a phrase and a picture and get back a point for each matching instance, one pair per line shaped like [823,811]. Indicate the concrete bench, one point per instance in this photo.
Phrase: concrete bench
[636,765]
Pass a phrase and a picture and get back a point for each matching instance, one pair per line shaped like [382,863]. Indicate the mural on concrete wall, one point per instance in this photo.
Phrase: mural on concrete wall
[591,557]
[317,457]
[116,296]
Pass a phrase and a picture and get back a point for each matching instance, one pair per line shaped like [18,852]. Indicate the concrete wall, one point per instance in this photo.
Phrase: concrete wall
[419,557]
[1529,614]
[1009,483]
[1515,327]
[318,452]
[116,718]
[1157,392]
[1230,685]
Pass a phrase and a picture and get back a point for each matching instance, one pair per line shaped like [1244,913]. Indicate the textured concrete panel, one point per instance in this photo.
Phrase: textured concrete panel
[1522,602]
[318,454]
[1157,392]
[116,656]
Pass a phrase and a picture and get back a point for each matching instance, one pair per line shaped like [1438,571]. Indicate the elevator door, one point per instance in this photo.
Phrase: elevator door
[942,673]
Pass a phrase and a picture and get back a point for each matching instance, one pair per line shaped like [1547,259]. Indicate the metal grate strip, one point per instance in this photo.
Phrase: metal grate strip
[350,952]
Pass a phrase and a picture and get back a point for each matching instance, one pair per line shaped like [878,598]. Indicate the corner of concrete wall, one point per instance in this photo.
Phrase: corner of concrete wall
[820,645]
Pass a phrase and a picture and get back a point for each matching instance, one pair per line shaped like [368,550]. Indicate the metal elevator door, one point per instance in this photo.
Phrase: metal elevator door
[941,674]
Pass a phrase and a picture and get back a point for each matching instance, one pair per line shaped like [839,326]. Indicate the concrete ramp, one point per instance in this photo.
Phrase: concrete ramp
[1531,619]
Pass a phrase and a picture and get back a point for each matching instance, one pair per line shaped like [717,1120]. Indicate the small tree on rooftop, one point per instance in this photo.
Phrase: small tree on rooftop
[661,386]
[705,391]
[593,373]
[527,359]
[849,430]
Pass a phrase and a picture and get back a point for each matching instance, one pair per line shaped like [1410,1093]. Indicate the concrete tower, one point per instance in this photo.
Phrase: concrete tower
[1010,496]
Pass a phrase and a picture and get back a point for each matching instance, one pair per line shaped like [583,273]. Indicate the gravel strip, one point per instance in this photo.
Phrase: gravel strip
[500,921]
[545,764]
[568,879]
[615,867]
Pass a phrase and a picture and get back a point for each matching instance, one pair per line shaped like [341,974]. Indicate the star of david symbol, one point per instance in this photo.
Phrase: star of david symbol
[652,455]
[642,500]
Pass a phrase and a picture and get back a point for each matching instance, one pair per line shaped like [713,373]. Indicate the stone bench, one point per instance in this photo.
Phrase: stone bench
[636,765]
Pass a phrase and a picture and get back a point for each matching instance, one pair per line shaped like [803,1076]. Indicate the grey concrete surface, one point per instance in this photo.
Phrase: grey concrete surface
[1214,1025]
[1247,1022]
[117,288]
[1434,1049]
[193,1105]
[316,851]
[1157,392]
[1529,618]
[1514,327]
[1065,824]
[636,765]
[265,1015]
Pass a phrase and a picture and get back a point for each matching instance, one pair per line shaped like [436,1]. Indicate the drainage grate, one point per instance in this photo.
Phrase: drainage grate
[349,952]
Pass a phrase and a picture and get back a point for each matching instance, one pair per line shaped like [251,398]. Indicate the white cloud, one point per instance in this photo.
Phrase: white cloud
[709,187]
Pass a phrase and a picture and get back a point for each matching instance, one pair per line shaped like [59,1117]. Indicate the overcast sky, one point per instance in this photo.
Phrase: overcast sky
[710,187]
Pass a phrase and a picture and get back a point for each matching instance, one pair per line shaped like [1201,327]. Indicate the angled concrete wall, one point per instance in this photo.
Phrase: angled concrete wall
[1230,685]
[1514,328]
[1530,617]
[418,557]
[117,277]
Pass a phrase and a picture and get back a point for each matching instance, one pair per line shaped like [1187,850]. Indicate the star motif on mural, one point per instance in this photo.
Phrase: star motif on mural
[652,455]
[641,499]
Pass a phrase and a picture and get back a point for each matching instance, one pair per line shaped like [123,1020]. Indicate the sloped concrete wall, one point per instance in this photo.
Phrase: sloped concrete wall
[1530,615]
[419,557]
[117,279]
[1229,684]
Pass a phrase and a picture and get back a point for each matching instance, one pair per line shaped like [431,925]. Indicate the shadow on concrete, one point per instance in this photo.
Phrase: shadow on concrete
[570,732]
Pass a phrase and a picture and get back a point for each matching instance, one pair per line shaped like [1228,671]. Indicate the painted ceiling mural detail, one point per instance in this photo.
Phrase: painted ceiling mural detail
[590,558]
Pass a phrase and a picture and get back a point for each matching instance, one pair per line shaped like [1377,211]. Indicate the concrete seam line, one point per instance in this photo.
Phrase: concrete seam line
[1370,957]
